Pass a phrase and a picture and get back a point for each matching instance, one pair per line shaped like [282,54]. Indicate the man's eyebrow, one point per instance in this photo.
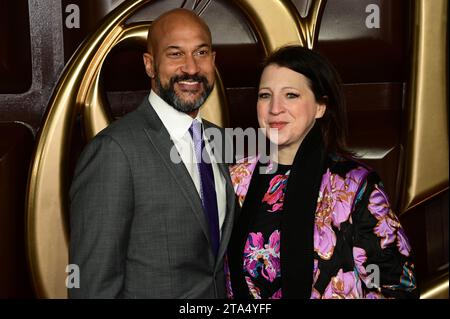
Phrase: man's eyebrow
[203,45]
[176,47]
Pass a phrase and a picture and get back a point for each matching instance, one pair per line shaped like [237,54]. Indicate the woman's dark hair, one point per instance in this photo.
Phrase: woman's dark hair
[325,83]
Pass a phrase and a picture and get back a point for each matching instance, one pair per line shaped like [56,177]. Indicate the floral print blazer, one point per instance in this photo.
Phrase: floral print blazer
[352,244]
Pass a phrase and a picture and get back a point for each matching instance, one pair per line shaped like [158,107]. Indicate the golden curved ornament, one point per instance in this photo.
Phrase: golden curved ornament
[278,22]
[78,90]
[427,153]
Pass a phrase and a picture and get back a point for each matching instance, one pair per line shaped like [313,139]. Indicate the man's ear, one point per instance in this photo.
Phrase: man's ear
[214,57]
[149,65]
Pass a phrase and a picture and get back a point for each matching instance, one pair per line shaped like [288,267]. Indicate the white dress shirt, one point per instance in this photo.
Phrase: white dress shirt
[177,124]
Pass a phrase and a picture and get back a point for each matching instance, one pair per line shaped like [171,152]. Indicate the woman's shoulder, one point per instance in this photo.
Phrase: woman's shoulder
[345,164]
[350,169]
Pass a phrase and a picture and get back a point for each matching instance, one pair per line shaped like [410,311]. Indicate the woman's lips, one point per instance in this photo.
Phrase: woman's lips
[277,125]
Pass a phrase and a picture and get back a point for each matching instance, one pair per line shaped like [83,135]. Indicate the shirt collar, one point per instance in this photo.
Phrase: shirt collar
[177,123]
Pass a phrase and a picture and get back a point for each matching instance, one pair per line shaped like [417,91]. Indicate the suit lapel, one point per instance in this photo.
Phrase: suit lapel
[229,217]
[160,139]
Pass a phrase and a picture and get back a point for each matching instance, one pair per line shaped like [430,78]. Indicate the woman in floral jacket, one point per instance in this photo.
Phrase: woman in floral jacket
[316,223]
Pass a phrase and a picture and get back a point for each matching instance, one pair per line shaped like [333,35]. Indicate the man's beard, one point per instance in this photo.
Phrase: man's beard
[169,95]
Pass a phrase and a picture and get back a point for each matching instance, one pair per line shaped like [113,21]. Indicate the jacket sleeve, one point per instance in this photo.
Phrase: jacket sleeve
[101,211]
[381,251]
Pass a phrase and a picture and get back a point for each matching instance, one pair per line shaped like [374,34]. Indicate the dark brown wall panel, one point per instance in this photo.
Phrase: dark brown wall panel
[15,53]
[362,54]
[16,144]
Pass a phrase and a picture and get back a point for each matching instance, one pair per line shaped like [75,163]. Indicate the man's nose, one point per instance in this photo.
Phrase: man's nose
[190,65]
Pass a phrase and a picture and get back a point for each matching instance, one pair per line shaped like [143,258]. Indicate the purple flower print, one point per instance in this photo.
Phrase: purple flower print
[343,286]
[402,242]
[324,237]
[359,256]
[388,227]
[340,193]
[334,206]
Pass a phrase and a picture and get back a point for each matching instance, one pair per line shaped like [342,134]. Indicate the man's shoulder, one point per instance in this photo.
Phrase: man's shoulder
[126,126]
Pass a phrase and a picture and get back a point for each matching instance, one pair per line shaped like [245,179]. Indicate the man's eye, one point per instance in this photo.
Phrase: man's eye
[202,52]
[175,54]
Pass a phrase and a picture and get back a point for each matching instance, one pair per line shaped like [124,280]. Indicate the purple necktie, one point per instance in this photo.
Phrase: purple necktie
[207,186]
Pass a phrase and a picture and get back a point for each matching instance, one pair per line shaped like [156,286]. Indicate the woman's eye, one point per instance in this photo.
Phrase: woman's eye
[263,95]
[292,95]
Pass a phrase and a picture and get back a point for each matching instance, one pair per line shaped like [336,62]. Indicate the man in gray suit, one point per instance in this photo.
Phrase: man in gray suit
[143,225]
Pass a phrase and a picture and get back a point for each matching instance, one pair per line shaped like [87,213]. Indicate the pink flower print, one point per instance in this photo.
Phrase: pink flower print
[254,291]
[263,257]
[273,265]
[274,243]
[276,295]
[343,286]
[275,194]
[252,253]
[388,227]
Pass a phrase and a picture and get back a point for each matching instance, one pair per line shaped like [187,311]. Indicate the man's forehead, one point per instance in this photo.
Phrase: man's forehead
[179,26]
[182,38]
[182,28]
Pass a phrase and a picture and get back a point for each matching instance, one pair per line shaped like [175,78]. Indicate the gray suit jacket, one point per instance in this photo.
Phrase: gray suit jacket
[137,225]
